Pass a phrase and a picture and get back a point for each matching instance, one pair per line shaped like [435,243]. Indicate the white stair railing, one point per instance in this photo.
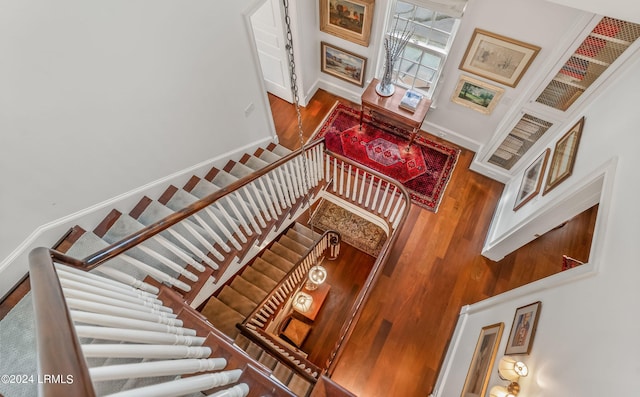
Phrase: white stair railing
[154,338]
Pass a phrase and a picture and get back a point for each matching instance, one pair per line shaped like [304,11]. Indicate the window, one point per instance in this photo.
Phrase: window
[420,64]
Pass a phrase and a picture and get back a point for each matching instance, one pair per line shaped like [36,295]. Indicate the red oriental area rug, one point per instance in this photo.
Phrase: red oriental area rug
[425,169]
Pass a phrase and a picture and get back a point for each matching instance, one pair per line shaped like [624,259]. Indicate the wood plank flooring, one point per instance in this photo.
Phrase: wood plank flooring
[434,269]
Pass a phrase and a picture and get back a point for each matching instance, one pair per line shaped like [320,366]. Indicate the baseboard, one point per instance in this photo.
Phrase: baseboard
[15,266]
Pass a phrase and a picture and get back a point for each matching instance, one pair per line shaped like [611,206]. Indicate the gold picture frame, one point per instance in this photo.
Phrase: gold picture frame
[523,329]
[348,19]
[475,385]
[498,58]
[531,180]
[342,64]
[476,94]
[564,157]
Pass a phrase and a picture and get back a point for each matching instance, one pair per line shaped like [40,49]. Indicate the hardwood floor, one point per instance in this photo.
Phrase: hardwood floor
[434,269]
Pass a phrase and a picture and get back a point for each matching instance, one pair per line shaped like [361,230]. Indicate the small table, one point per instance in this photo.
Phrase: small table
[318,296]
[388,107]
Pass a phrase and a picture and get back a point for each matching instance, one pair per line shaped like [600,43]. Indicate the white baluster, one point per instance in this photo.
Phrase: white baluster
[290,173]
[168,263]
[268,197]
[101,308]
[397,221]
[231,222]
[155,273]
[368,199]
[238,215]
[299,176]
[79,286]
[247,212]
[107,320]
[156,368]
[180,253]
[396,208]
[257,200]
[120,350]
[137,336]
[253,205]
[362,186]
[375,197]
[212,233]
[239,390]
[287,189]
[327,164]
[355,184]
[384,198]
[99,281]
[392,197]
[126,279]
[348,189]
[274,188]
[341,186]
[335,174]
[184,386]
[222,228]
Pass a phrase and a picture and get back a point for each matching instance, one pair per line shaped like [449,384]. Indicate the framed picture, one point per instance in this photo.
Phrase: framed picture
[343,64]
[476,94]
[498,58]
[523,329]
[531,180]
[347,19]
[475,385]
[564,157]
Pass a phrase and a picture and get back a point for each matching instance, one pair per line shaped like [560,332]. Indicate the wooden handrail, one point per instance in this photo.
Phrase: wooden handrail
[146,233]
[55,333]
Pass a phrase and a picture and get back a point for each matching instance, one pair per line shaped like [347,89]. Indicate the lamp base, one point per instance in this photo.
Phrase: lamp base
[385,90]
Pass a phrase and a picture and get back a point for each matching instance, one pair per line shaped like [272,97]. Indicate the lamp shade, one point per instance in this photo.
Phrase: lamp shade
[499,391]
[510,369]
[317,274]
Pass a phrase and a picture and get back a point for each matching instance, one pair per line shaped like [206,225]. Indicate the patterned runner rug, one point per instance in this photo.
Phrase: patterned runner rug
[354,230]
[425,169]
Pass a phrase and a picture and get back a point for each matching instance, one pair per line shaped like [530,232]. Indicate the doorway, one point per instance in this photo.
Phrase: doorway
[268,32]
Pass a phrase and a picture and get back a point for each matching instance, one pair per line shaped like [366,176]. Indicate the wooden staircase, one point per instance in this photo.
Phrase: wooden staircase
[249,288]
[231,231]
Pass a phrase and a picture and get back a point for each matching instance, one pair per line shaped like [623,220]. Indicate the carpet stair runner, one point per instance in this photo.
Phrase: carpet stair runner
[237,300]
[180,258]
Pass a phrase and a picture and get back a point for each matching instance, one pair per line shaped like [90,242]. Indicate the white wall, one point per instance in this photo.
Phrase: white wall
[99,98]
[585,341]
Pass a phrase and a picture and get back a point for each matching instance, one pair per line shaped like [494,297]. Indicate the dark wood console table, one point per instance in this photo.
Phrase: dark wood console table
[388,107]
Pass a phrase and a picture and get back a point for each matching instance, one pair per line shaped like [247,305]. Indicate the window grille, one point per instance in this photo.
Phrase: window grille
[420,64]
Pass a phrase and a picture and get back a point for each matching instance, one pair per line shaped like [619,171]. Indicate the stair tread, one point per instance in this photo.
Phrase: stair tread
[292,244]
[268,361]
[240,170]
[222,316]
[305,231]
[285,252]
[258,279]
[280,150]
[269,156]
[276,260]
[266,268]
[236,301]
[224,178]
[282,373]
[299,238]
[256,163]
[298,385]
[246,288]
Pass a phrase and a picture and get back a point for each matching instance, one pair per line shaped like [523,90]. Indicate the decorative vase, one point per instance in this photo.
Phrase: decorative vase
[384,86]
